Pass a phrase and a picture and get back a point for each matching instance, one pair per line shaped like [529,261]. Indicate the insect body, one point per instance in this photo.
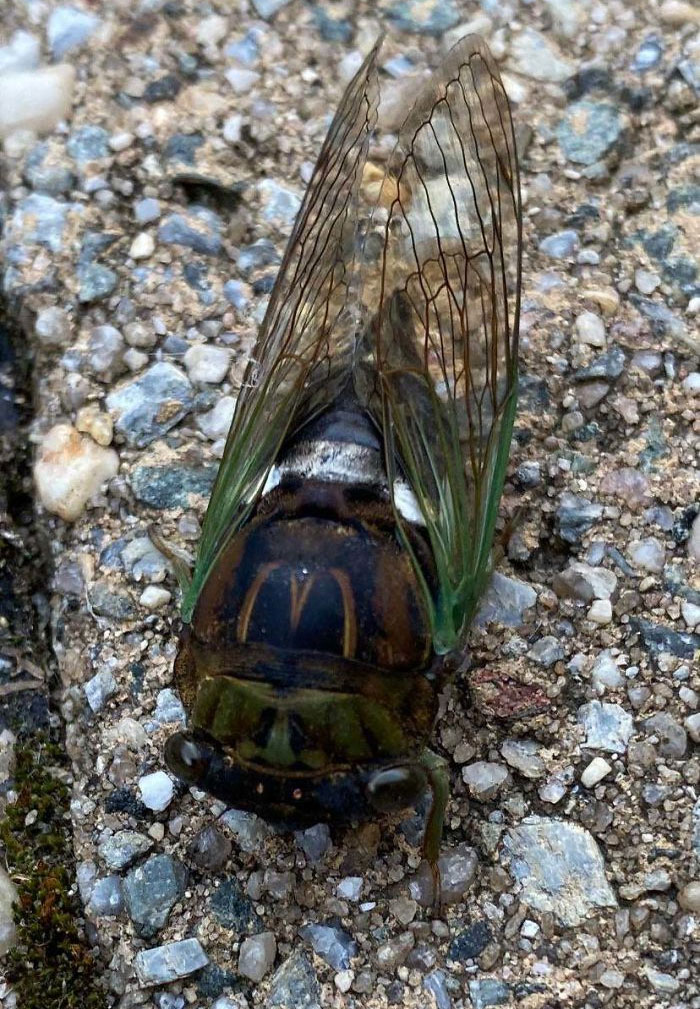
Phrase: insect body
[348,534]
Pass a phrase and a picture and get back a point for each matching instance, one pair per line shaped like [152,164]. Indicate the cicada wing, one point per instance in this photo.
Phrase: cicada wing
[439,372]
[304,349]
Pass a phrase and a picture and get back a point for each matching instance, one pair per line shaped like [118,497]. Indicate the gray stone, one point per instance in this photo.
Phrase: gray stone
[171,486]
[106,897]
[534,56]
[119,850]
[170,962]
[648,554]
[279,204]
[575,515]
[99,688]
[484,778]
[257,955]
[605,674]
[89,143]
[608,365]
[41,220]
[169,707]
[260,253]
[584,582]
[147,210]
[559,867]
[457,873]
[268,8]
[664,322]
[232,908]
[561,245]
[68,28]
[673,739]
[95,282]
[294,984]
[151,890]
[105,354]
[434,983]
[424,17]
[547,651]
[106,603]
[148,406]
[658,639]
[52,327]
[332,944]
[199,229]
[505,602]
[210,849]
[588,131]
[46,174]
[249,830]
[488,991]
[524,756]
[608,727]
[314,841]
[235,294]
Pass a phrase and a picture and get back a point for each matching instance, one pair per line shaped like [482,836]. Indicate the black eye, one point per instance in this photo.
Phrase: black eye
[396,788]
[186,758]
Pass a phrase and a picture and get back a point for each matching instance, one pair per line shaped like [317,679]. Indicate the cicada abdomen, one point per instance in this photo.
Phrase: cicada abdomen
[348,534]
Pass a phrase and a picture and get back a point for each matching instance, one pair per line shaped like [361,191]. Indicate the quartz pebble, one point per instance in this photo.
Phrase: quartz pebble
[600,611]
[70,470]
[523,755]
[590,329]
[648,554]
[35,100]
[332,944]
[142,246]
[216,422]
[595,772]
[207,364]
[154,597]
[52,327]
[170,962]
[257,955]
[484,779]
[156,790]
[689,896]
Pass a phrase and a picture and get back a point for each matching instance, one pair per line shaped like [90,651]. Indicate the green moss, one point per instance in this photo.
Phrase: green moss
[50,964]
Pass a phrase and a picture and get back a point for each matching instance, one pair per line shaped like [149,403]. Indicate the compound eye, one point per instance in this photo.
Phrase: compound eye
[186,758]
[396,788]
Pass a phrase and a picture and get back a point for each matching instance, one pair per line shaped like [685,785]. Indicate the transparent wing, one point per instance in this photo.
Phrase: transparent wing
[439,366]
[303,354]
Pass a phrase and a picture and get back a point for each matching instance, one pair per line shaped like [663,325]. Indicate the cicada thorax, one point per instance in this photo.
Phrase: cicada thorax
[310,647]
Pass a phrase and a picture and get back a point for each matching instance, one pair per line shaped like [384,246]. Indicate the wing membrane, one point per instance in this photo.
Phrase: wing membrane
[303,354]
[440,367]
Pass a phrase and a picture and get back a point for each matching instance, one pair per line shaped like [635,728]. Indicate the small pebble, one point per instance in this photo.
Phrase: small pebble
[154,597]
[595,772]
[257,955]
[70,470]
[170,962]
[484,779]
[156,790]
[590,329]
[600,611]
[689,896]
[207,364]
[142,246]
[52,327]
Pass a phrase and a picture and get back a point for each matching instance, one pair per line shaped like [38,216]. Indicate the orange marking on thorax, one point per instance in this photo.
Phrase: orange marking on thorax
[250,598]
[349,616]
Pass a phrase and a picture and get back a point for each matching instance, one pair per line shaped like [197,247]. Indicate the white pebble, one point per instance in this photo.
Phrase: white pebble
[52,327]
[344,979]
[70,470]
[349,888]
[142,246]
[595,772]
[35,100]
[691,383]
[232,129]
[690,613]
[257,955]
[241,80]
[154,597]
[211,30]
[216,422]
[591,329]
[600,611]
[121,141]
[95,422]
[645,281]
[156,790]
[207,364]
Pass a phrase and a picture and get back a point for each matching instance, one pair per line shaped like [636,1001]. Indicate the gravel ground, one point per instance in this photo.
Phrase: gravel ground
[154,158]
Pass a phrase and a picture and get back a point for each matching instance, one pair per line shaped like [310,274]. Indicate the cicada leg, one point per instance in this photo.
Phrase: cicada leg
[437,772]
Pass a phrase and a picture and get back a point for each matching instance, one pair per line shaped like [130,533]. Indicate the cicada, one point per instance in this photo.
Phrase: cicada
[348,536]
